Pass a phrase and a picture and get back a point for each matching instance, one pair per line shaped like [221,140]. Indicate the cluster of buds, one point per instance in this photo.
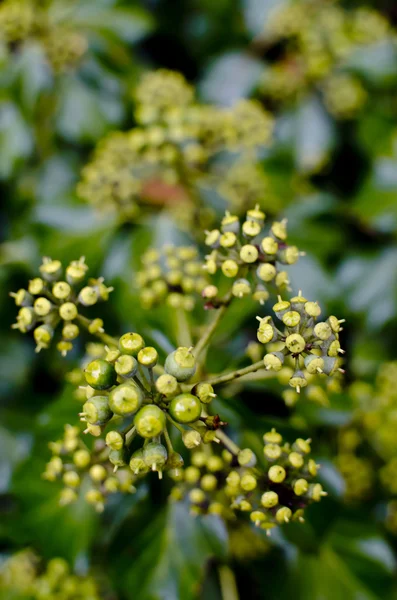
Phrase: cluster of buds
[23,575]
[166,159]
[172,275]
[312,346]
[230,483]
[131,399]
[85,469]
[22,20]
[317,38]
[54,299]
[249,255]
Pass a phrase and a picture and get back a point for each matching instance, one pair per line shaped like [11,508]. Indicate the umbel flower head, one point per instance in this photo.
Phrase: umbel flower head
[55,299]
[172,275]
[318,37]
[312,345]
[23,575]
[169,155]
[270,496]
[23,20]
[249,255]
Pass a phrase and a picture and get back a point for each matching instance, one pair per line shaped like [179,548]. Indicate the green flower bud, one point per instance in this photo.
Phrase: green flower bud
[96,410]
[88,296]
[229,268]
[302,446]
[214,463]
[118,458]
[209,292]
[155,456]
[246,458]
[323,331]
[22,298]
[212,238]
[70,331]
[281,307]
[335,324]
[279,229]
[96,326]
[192,475]
[269,245]
[296,460]
[314,364]
[300,487]
[76,271]
[167,385]
[126,399]
[248,482]
[71,479]
[148,357]
[241,288]
[283,514]
[61,290]
[98,473]
[316,492]
[266,272]
[255,214]
[191,439]
[137,464]
[149,421]
[274,361]
[291,318]
[295,343]
[197,496]
[126,365]
[228,239]
[81,458]
[277,474]
[251,228]
[260,294]
[334,349]
[67,496]
[114,440]
[272,452]
[36,286]
[185,408]
[312,467]
[257,517]
[181,364]
[266,332]
[298,380]
[175,461]
[111,485]
[312,309]
[50,270]
[100,374]
[95,497]
[68,311]
[249,253]
[42,307]
[230,223]
[43,336]
[208,482]
[289,255]
[272,437]
[204,391]
[131,343]
[199,459]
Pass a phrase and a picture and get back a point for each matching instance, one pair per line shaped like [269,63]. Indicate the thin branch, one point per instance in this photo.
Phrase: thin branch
[227,442]
[227,582]
[236,374]
[104,337]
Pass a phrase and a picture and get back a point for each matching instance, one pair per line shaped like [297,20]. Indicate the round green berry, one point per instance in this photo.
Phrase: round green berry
[137,463]
[167,385]
[185,408]
[204,391]
[155,456]
[149,421]
[148,357]
[97,411]
[131,343]
[100,374]
[126,399]
[181,364]
[126,365]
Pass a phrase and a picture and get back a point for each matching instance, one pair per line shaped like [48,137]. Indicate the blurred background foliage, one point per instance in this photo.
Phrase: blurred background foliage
[69,71]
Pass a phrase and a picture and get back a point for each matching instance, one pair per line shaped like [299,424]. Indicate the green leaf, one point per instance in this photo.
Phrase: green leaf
[128,23]
[167,557]
[16,141]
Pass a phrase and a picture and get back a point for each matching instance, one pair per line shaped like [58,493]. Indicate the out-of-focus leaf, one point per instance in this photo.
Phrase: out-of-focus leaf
[84,114]
[16,141]
[314,135]
[377,62]
[167,557]
[230,77]
[32,74]
[130,23]
[256,12]
[369,286]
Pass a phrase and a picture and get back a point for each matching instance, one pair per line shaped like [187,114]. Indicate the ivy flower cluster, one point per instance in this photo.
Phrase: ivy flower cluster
[249,255]
[317,38]
[232,483]
[135,405]
[23,575]
[54,299]
[85,469]
[172,275]
[167,158]
[312,346]
[367,447]
[30,20]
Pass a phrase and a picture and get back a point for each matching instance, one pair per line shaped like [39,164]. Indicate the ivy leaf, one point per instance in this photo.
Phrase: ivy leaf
[16,141]
[166,558]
